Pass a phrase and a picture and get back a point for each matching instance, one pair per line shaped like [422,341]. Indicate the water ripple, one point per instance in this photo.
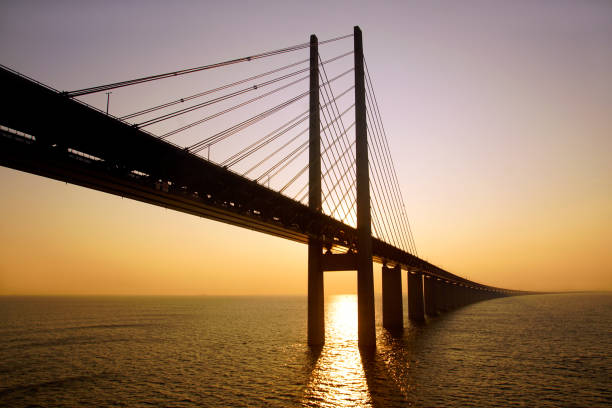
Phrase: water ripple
[545,351]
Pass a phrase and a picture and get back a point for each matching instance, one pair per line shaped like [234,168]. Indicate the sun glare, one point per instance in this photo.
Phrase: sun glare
[338,378]
[341,319]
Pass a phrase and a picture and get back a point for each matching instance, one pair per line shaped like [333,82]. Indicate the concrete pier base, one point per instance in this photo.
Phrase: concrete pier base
[416,310]
[366,329]
[316,316]
[393,316]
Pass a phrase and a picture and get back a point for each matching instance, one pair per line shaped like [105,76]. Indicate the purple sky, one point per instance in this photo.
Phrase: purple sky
[499,116]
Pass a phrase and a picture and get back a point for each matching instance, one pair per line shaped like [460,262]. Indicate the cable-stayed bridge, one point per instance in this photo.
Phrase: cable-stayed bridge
[296,149]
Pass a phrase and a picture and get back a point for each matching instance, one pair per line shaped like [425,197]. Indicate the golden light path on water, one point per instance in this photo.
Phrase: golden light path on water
[338,378]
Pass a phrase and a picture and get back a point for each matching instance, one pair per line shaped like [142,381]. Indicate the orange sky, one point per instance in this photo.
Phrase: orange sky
[499,117]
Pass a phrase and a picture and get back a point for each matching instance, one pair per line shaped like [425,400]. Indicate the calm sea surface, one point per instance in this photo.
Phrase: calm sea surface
[534,351]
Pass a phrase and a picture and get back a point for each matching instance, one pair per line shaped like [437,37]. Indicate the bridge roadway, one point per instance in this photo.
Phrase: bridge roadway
[46,133]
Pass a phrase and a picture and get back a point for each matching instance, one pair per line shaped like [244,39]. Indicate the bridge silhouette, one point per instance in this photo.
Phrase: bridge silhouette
[350,213]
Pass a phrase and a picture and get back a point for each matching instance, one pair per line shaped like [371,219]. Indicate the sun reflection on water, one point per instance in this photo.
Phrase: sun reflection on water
[338,378]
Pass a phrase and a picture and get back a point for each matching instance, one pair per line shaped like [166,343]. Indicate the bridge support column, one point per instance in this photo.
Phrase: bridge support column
[444,296]
[447,295]
[429,286]
[316,304]
[393,312]
[415,296]
[460,295]
[473,295]
[316,316]
[365,272]
[455,295]
[438,286]
[465,297]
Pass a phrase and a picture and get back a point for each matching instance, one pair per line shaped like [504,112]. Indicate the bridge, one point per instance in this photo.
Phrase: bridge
[350,213]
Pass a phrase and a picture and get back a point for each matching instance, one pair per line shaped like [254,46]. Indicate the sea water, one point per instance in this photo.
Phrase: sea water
[535,351]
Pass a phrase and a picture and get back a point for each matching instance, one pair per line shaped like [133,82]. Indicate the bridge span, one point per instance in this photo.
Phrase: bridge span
[46,132]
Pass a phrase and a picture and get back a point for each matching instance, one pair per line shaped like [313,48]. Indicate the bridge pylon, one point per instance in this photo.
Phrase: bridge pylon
[365,272]
[362,259]
[316,317]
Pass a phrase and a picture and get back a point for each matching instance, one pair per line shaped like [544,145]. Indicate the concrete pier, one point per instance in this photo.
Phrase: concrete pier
[429,289]
[393,316]
[439,296]
[452,295]
[316,316]
[447,302]
[456,292]
[464,295]
[416,310]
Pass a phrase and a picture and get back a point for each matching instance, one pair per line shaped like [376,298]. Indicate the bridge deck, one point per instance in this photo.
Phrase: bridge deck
[69,141]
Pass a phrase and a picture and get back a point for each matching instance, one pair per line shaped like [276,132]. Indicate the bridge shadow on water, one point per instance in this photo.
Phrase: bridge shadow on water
[343,374]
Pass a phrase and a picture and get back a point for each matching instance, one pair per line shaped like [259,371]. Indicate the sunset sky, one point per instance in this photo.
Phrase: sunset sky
[498,114]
